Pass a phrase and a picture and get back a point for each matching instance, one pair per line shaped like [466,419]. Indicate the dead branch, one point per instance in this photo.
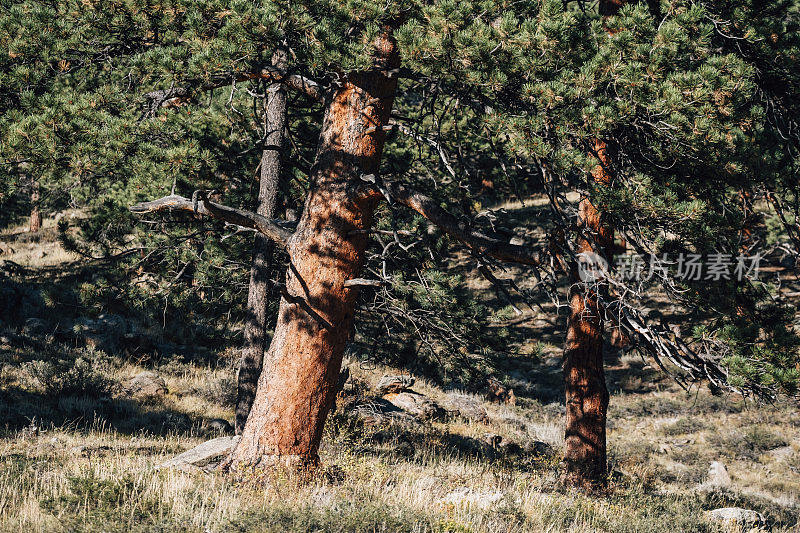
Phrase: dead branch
[274,229]
[475,240]
[179,95]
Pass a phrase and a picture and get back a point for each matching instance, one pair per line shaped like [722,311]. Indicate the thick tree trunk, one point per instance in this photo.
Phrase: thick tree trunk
[255,330]
[36,214]
[584,378]
[301,367]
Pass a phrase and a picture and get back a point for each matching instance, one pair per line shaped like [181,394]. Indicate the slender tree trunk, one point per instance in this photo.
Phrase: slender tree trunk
[301,367]
[255,330]
[36,215]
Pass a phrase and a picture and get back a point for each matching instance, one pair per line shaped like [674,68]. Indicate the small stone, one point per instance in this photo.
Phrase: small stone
[145,385]
[736,516]
[718,475]
[394,384]
[202,454]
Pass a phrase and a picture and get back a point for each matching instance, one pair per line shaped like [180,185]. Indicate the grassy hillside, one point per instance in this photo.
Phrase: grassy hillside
[78,453]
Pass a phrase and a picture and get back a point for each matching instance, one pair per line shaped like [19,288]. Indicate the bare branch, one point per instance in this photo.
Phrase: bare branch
[362,282]
[473,239]
[273,229]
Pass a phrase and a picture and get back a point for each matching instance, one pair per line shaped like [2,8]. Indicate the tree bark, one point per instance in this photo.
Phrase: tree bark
[585,460]
[584,378]
[255,331]
[297,384]
[36,214]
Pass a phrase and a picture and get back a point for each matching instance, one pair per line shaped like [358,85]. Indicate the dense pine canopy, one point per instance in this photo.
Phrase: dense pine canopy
[104,104]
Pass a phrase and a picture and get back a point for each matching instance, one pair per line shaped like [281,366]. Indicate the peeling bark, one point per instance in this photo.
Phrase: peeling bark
[297,384]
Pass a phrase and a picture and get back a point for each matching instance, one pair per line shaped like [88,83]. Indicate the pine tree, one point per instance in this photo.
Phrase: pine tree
[116,104]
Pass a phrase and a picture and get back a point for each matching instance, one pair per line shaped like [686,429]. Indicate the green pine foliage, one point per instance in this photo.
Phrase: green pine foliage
[697,105]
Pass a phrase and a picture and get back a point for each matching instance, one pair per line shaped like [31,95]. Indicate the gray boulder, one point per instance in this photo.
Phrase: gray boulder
[393,384]
[379,411]
[736,516]
[415,404]
[145,385]
[202,455]
[718,475]
[466,407]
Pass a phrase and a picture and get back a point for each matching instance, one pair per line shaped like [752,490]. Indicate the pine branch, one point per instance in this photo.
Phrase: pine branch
[176,96]
[274,229]
[475,240]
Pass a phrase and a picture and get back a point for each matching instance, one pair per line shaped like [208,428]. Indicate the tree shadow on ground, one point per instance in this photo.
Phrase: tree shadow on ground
[21,410]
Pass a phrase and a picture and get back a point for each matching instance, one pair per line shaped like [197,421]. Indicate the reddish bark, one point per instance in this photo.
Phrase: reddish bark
[584,378]
[297,384]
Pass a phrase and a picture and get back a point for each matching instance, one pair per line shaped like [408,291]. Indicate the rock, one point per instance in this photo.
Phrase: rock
[784,453]
[497,392]
[145,385]
[34,327]
[380,411]
[219,426]
[736,516]
[415,404]
[466,497]
[393,384]
[201,455]
[718,475]
[538,448]
[466,407]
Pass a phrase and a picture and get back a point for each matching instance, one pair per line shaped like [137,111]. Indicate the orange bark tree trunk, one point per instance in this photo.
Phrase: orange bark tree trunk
[587,396]
[297,383]
[584,378]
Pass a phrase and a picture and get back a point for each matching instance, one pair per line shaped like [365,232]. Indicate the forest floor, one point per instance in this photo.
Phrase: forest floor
[85,458]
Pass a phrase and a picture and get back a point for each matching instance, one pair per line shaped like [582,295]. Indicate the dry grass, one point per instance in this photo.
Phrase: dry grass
[92,465]
[100,475]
